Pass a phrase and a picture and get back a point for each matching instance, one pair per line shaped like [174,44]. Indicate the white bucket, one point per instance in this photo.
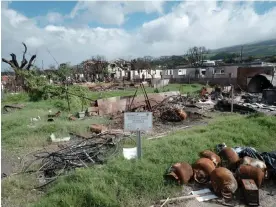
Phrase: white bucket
[130,153]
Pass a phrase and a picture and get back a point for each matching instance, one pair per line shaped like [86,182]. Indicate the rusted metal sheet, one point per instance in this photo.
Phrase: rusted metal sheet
[120,104]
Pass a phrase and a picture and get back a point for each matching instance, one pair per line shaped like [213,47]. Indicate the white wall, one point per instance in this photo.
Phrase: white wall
[175,73]
[117,71]
[148,74]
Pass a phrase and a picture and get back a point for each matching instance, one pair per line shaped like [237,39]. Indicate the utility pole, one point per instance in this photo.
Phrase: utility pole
[241,54]
[42,65]
[232,98]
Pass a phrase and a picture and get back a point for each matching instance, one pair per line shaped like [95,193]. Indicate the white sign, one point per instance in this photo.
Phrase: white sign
[137,121]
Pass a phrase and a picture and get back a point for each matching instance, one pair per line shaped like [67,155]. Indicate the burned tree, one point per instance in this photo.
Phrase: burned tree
[141,64]
[196,55]
[100,66]
[122,64]
[25,65]
[94,67]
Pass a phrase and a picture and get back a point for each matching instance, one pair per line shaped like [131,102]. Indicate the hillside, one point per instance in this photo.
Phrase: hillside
[264,48]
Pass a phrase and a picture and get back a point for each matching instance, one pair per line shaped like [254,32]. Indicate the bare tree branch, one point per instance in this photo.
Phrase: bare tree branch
[14,60]
[24,61]
[30,62]
[196,56]
[8,62]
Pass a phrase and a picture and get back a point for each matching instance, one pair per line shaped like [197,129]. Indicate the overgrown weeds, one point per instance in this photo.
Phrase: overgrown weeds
[139,183]
[18,136]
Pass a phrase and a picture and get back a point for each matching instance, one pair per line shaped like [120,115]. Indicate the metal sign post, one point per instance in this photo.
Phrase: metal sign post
[139,145]
[138,121]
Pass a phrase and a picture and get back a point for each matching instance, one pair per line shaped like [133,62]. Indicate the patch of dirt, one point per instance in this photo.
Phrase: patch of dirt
[9,162]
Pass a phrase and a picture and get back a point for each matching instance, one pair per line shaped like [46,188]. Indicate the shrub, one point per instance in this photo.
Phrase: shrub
[156,90]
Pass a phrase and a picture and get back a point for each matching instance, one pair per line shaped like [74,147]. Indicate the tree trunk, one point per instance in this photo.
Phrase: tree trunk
[19,80]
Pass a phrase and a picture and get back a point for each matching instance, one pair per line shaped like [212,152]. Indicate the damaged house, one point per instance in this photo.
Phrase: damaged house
[255,79]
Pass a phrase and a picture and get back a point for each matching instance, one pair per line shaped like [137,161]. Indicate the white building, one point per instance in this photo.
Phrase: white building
[147,74]
[209,62]
[175,73]
[116,72]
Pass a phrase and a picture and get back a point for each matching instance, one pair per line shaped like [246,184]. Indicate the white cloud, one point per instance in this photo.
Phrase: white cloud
[190,23]
[54,18]
[34,42]
[112,12]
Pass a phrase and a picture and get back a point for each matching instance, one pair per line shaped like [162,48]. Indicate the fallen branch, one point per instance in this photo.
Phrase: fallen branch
[165,202]
[81,154]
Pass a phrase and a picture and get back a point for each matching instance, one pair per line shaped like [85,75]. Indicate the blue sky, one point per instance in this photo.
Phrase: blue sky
[32,9]
[74,31]
[38,8]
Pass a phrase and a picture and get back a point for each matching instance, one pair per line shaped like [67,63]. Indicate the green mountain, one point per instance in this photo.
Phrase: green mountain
[264,48]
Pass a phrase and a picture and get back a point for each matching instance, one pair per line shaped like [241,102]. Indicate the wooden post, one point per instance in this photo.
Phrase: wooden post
[67,97]
[82,102]
[232,98]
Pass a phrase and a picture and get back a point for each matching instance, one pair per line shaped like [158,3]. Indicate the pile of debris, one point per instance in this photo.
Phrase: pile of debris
[175,108]
[79,152]
[246,103]
[225,172]
[242,102]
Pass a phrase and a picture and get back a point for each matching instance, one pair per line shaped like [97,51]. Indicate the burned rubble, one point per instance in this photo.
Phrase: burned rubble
[237,176]
[223,172]
[238,102]
[81,151]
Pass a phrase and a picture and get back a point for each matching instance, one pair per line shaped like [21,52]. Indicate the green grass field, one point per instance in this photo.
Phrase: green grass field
[15,130]
[119,182]
[19,139]
[139,183]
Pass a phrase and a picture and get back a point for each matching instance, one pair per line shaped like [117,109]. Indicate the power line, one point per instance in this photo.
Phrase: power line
[52,56]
